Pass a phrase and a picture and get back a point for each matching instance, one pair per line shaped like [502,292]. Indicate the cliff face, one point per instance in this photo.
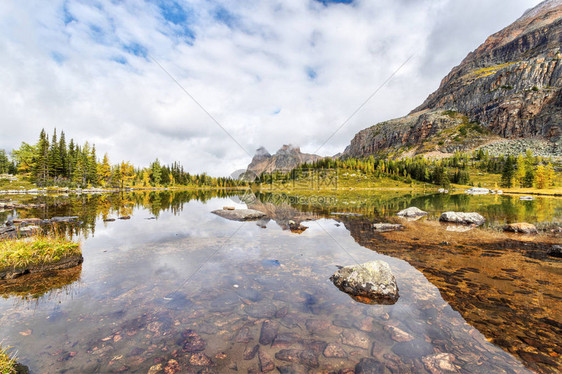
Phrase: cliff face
[510,86]
[286,159]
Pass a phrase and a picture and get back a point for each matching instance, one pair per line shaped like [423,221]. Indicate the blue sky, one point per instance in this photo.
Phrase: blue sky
[271,72]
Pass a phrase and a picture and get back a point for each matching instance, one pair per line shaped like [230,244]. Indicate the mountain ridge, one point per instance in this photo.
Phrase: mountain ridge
[509,87]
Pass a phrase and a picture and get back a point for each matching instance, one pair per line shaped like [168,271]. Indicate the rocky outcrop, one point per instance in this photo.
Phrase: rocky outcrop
[286,159]
[508,87]
[239,214]
[412,212]
[372,280]
[385,227]
[463,218]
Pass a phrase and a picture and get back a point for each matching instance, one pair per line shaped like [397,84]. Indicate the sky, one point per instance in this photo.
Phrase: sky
[206,83]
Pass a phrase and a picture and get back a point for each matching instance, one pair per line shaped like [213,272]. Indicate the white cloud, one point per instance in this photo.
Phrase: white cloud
[271,72]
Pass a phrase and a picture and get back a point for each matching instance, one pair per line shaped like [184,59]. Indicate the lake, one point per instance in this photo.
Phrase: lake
[176,288]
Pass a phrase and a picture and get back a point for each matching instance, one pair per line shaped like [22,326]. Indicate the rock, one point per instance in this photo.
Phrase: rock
[355,339]
[292,369]
[305,357]
[373,280]
[399,335]
[260,310]
[523,228]
[440,363]
[64,219]
[527,198]
[155,369]
[244,335]
[269,330]
[369,366]
[412,212]
[265,361]
[477,191]
[193,342]
[250,352]
[285,340]
[240,214]
[200,359]
[463,218]
[334,350]
[289,355]
[555,251]
[172,367]
[413,349]
[384,227]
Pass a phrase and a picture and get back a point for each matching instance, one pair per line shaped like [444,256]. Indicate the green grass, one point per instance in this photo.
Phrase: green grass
[6,184]
[7,364]
[37,250]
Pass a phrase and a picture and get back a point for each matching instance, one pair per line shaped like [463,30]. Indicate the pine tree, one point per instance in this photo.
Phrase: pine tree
[508,172]
[92,166]
[40,173]
[63,156]
[156,172]
[55,162]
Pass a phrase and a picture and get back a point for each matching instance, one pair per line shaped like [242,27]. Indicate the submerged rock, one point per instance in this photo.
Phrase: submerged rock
[240,214]
[522,227]
[472,218]
[369,366]
[440,363]
[373,280]
[412,212]
[384,227]
[555,251]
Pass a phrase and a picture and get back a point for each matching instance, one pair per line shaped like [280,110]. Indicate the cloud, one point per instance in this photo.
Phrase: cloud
[270,72]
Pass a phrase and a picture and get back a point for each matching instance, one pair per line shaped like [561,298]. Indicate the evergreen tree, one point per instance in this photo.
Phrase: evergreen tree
[40,172]
[63,154]
[4,162]
[55,162]
[508,172]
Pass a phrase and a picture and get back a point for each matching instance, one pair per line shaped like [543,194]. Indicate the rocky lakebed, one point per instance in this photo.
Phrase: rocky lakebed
[177,289]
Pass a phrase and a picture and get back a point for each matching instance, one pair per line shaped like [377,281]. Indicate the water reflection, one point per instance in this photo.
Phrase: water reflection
[190,291]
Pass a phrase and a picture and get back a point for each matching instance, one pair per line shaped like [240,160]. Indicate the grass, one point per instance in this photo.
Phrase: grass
[7,364]
[36,250]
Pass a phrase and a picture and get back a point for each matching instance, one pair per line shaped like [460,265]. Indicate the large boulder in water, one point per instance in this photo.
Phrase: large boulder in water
[411,212]
[372,280]
[462,217]
[240,214]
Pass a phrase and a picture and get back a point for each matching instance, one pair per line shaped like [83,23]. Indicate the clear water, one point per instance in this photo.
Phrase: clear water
[193,292]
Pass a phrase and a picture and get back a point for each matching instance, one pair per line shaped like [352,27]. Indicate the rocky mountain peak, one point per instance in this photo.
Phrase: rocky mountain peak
[510,87]
[285,159]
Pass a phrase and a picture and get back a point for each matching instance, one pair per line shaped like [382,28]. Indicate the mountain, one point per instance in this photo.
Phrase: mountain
[508,88]
[287,158]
